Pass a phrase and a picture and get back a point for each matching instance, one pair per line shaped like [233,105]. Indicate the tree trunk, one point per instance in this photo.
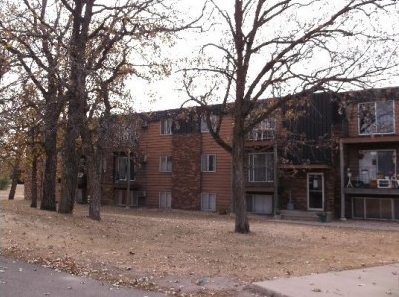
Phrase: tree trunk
[14,180]
[94,174]
[238,183]
[34,182]
[50,169]
[70,168]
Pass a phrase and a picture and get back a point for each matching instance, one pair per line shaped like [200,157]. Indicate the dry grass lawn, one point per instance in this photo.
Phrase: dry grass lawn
[189,253]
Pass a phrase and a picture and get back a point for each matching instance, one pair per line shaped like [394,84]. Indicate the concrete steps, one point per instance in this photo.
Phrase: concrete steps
[303,215]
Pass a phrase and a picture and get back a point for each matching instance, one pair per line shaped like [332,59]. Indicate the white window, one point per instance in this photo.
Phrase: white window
[261,167]
[208,202]
[376,118]
[204,127]
[122,200]
[166,126]
[375,164]
[122,168]
[165,200]
[127,135]
[208,163]
[264,130]
[165,164]
[261,204]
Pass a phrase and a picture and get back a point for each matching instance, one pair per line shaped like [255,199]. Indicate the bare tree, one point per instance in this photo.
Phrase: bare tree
[100,41]
[35,39]
[286,50]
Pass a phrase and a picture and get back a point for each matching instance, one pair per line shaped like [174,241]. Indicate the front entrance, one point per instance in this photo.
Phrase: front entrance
[315,189]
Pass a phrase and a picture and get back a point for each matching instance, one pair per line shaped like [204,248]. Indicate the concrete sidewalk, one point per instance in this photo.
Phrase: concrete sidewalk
[367,282]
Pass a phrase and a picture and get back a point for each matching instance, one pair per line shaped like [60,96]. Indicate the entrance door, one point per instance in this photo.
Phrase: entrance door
[315,191]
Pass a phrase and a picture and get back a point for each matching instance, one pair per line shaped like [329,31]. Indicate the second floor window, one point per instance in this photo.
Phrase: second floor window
[261,167]
[166,126]
[376,117]
[208,163]
[122,168]
[165,164]
[204,126]
[264,130]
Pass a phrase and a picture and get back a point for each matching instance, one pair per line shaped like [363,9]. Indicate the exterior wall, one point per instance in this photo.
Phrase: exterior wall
[154,146]
[186,168]
[296,185]
[218,182]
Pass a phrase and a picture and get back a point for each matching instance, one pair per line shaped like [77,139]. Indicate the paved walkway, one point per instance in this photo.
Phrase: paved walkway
[18,278]
[368,282]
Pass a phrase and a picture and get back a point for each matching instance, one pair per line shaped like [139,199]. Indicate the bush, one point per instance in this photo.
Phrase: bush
[4,182]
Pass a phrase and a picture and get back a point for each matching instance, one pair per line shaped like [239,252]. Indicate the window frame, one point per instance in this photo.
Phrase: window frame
[371,171]
[165,126]
[117,168]
[205,162]
[167,195]
[164,161]
[211,201]
[265,130]
[376,126]
[252,168]
[204,126]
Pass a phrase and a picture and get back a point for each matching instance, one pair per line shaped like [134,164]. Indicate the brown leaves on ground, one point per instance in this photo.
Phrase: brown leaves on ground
[183,252]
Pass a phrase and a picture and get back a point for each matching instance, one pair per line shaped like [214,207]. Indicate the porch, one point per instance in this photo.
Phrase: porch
[369,184]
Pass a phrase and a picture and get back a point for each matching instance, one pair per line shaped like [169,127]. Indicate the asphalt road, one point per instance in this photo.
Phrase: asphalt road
[18,278]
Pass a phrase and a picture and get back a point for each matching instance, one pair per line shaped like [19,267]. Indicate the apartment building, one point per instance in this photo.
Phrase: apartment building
[337,155]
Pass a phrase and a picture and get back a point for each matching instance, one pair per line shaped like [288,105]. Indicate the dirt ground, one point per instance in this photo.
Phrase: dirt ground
[188,253]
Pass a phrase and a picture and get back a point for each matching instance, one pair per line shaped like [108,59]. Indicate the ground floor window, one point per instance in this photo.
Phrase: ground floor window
[123,199]
[208,201]
[260,203]
[165,200]
[375,208]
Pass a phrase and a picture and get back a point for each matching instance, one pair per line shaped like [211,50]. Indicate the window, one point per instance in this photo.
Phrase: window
[165,164]
[376,164]
[264,130]
[165,200]
[127,135]
[261,204]
[122,170]
[204,126]
[166,126]
[376,118]
[261,167]
[208,163]
[123,200]
[208,202]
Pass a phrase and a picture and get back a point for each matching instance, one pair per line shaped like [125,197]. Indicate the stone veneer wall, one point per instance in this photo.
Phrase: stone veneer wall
[186,172]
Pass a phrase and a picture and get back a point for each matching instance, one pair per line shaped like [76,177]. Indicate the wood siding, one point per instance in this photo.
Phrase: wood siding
[218,182]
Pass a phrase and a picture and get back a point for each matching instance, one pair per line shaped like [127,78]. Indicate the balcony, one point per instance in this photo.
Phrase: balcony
[375,187]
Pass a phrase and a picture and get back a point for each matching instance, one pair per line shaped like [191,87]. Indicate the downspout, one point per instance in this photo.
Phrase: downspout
[342,172]
[128,178]
[275,196]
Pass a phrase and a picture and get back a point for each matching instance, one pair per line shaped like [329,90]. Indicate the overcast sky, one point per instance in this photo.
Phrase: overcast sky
[167,93]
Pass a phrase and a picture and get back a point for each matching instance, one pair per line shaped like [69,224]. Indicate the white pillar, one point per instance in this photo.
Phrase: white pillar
[342,172]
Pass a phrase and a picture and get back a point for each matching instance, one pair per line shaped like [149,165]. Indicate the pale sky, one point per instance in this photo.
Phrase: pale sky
[167,93]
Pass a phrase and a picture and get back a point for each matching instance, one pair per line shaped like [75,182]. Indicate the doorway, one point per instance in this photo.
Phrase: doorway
[315,189]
